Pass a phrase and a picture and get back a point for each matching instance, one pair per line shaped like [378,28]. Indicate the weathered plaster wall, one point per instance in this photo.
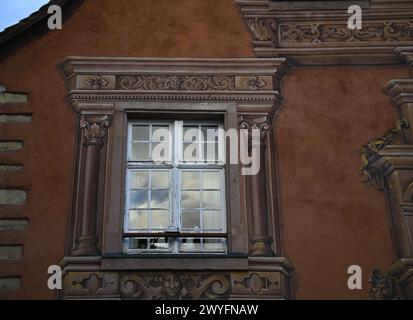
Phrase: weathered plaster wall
[330,220]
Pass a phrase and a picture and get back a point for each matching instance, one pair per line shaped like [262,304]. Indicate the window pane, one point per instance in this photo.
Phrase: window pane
[211,199]
[210,151]
[212,220]
[191,219]
[140,151]
[215,244]
[138,219]
[190,179]
[190,199]
[147,244]
[139,199]
[159,244]
[191,151]
[160,219]
[140,133]
[160,133]
[160,152]
[190,244]
[137,243]
[139,179]
[160,199]
[159,180]
[191,133]
[211,180]
[210,133]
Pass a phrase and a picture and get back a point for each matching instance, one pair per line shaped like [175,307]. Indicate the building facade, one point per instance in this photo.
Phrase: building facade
[82,108]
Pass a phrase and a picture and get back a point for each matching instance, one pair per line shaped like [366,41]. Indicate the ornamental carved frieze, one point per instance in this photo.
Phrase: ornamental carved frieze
[317,33]
[185,83]
[175,286]
[386,31]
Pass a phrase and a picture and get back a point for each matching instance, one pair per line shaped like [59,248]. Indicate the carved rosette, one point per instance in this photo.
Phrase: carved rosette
[97,82]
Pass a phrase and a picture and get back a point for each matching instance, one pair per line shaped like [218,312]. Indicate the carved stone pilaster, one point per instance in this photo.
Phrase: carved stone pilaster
[260,238]
[94,130]
[388,165]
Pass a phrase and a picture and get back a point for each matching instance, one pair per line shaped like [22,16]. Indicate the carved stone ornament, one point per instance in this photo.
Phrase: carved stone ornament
[95,130]
[369,154]
[175,286]
[185,83]
[96,82]
[316,32]
[384,286]
[262,124]
[115,79]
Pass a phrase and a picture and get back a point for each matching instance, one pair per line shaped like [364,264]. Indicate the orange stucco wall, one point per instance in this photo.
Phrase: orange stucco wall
[330,220]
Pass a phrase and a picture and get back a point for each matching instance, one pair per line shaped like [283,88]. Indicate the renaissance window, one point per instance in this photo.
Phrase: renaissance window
[175,188]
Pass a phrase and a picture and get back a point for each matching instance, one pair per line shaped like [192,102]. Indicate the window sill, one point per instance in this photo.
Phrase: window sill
[174,262]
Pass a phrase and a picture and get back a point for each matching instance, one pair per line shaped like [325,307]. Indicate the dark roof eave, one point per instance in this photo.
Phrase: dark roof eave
[13,37]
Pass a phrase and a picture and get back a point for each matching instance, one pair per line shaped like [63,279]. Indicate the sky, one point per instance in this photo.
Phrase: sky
[12,11]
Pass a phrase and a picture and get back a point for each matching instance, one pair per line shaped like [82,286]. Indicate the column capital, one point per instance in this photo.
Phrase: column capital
[95,128]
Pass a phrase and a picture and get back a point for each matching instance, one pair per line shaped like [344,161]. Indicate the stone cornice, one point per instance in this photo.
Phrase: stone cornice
[407,54]
[314,36]
[114,79]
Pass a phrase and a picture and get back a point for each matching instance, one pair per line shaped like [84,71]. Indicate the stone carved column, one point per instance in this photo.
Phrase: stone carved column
[260,238]
[94,130]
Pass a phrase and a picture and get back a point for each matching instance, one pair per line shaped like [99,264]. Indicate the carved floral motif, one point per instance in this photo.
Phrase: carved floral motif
[183,83]
[254,83]
[95,129]
[97,82]
[386,31]
[174,286]
[263,29]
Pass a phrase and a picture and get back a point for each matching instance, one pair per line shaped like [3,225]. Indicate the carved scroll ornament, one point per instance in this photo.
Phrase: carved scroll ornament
[172,286]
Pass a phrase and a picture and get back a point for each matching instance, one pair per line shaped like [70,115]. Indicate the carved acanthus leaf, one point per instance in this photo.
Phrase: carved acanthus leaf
[263,29]
[95,128]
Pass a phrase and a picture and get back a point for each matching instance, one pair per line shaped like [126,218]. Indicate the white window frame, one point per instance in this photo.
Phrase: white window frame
[175,167]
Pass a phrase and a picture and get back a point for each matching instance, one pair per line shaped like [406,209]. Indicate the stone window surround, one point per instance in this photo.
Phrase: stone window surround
[106,93]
